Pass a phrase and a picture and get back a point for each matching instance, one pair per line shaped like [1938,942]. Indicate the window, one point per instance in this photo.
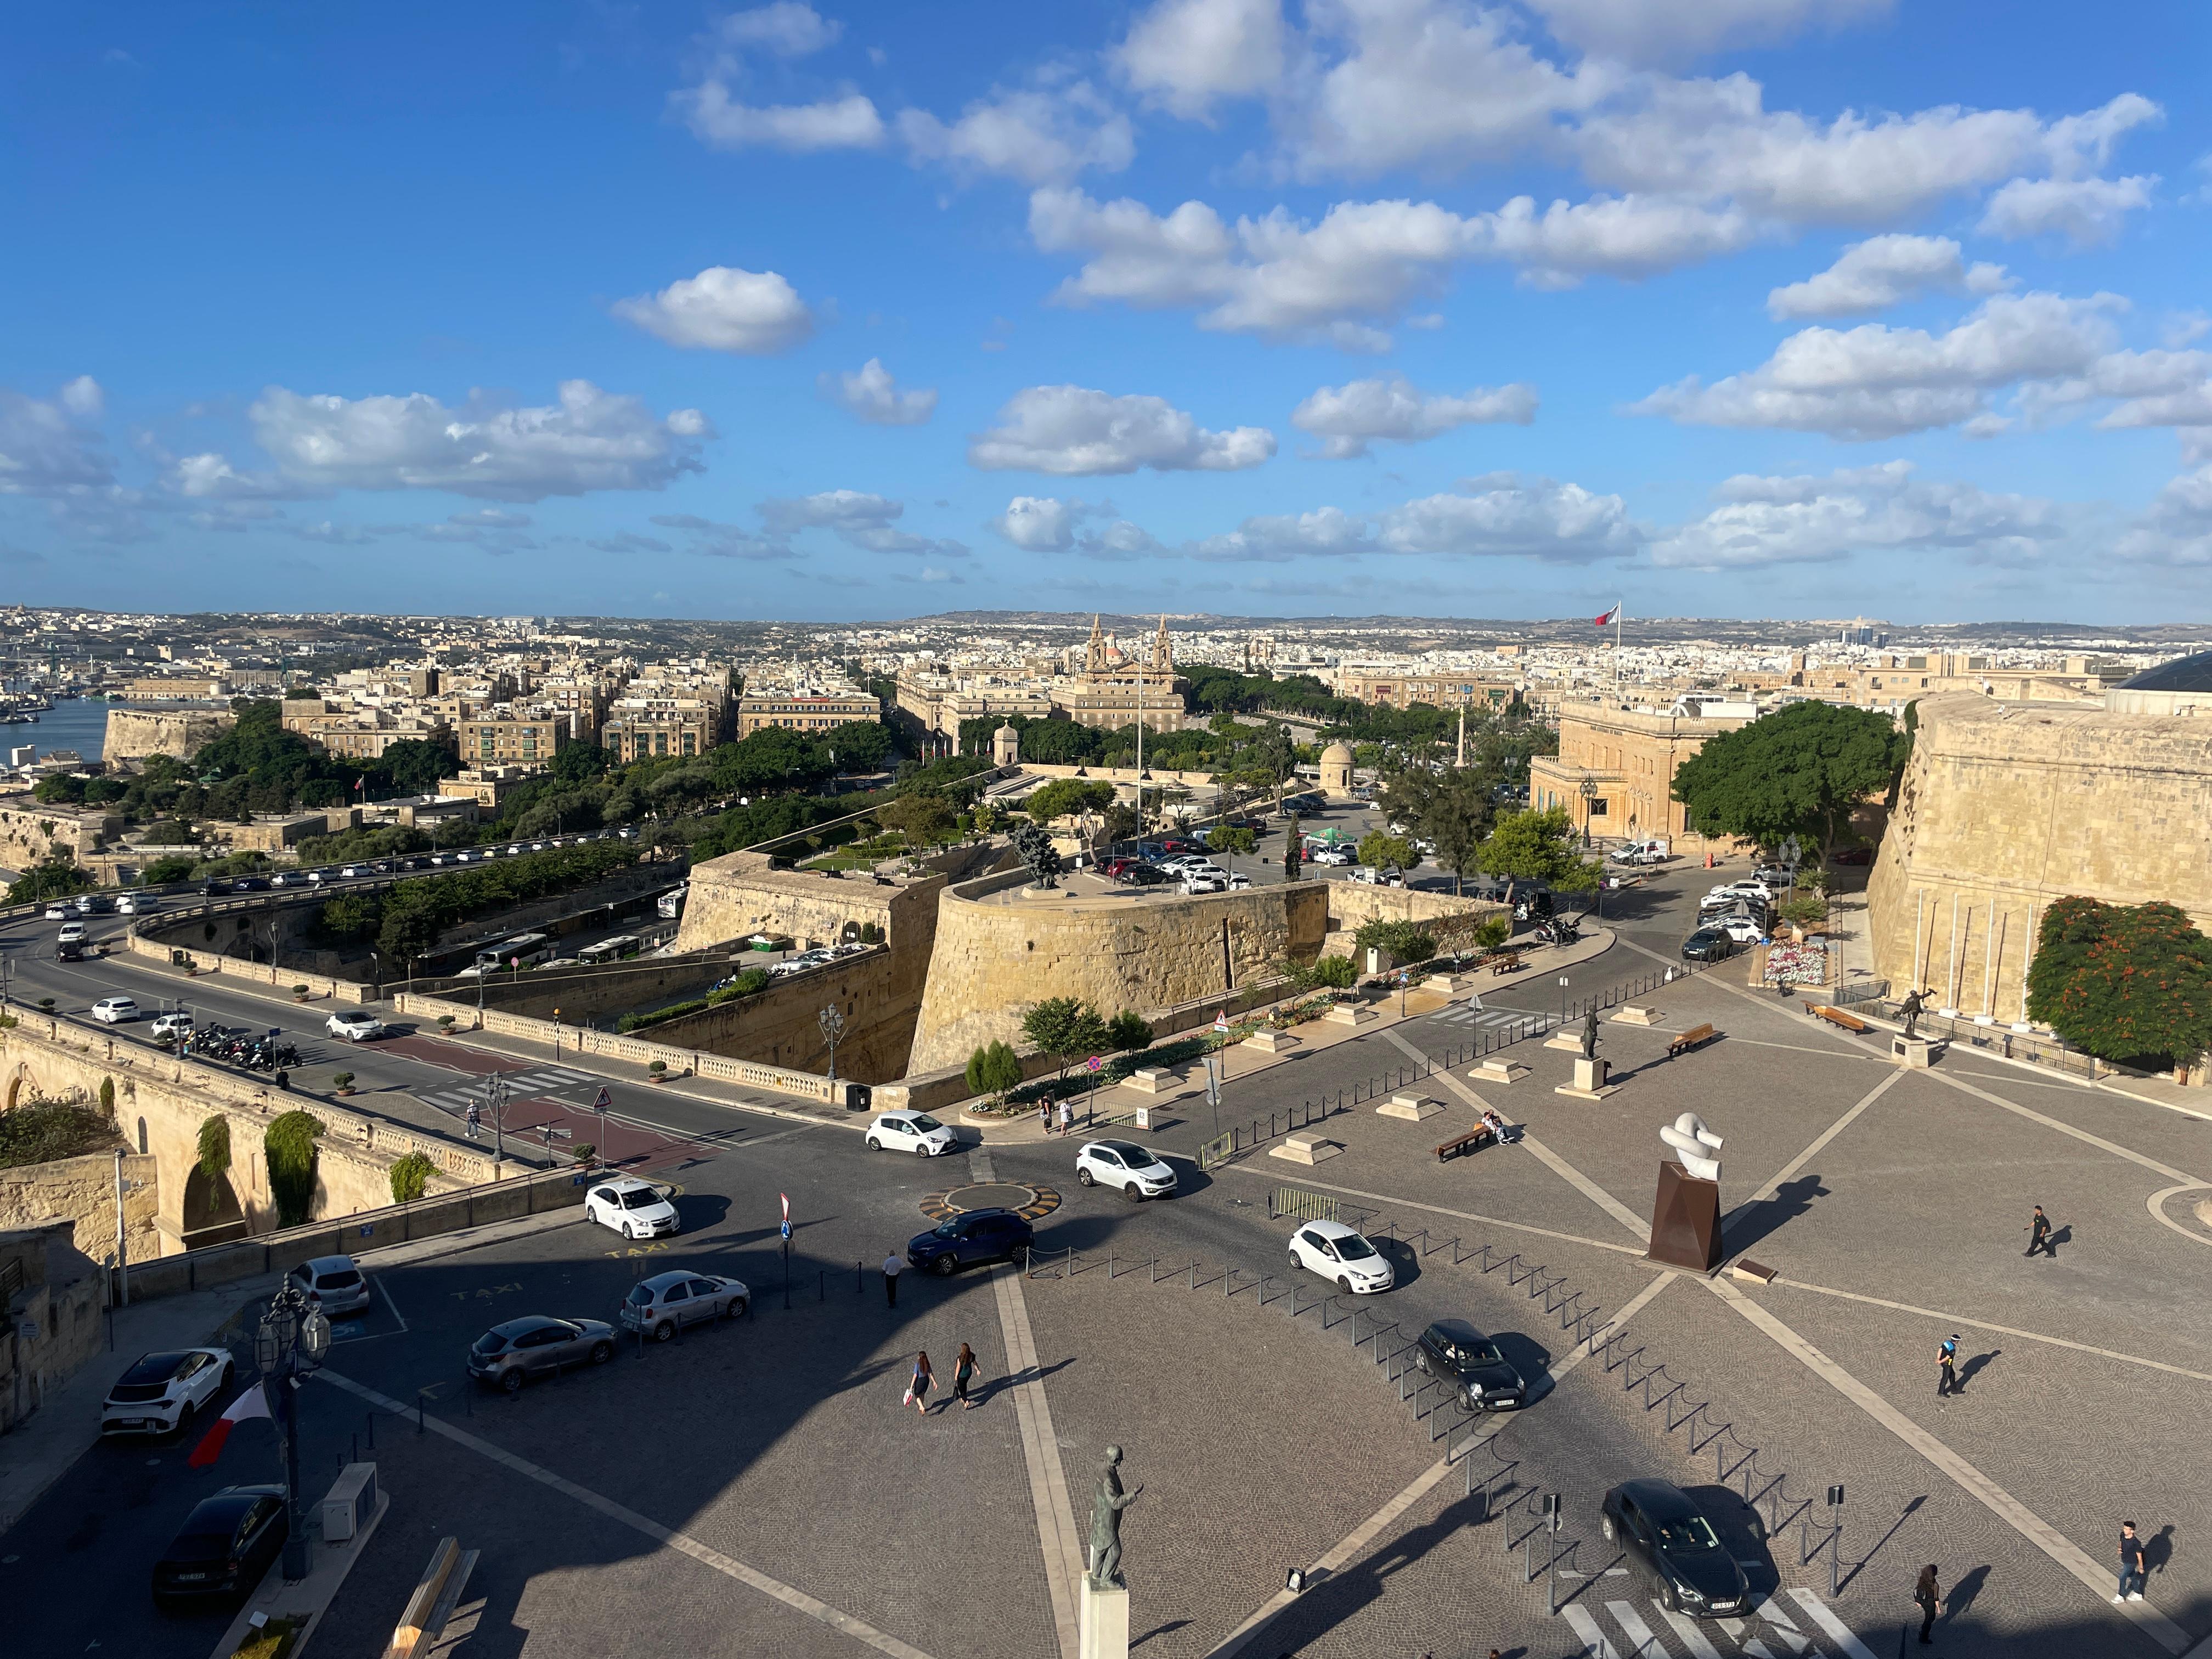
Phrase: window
[142,1137]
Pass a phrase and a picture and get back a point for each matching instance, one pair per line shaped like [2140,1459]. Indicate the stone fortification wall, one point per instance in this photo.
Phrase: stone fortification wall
[781,1025]
[135,733]
[741,894]
[2003,809]
[1450,922]
[994,961]
[82,1190]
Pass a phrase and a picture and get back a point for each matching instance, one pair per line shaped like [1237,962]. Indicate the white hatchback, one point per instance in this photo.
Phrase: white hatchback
[114,1010]
[1134,1171]
[909,1131]
[633,1208]
[1342,1256]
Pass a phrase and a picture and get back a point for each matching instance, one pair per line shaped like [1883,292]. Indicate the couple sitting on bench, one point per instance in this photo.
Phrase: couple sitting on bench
[1493,1129]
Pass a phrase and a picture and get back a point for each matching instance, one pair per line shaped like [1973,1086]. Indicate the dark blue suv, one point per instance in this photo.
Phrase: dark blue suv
[972,1236]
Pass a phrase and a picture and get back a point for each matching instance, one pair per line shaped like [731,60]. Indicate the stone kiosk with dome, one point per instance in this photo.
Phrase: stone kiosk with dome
[1336,770]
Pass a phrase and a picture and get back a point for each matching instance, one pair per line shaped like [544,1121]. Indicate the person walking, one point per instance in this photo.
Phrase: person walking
[1929,1596]
[1946,1367]
[2131,1563]
[964,1373]
[892,1268]
[2039,1235]
[917,1388]
[475,1119]
[1066,1116]
[1044,1115]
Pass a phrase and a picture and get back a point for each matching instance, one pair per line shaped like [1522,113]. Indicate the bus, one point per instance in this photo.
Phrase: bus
[672,902]
[608,950]
[523,951]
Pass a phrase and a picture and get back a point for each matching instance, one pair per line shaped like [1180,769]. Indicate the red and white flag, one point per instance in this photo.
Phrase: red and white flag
[253,1402]
[1606,621]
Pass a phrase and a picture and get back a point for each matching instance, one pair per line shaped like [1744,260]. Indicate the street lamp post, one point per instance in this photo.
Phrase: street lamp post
[1590,800]
[294,1329]
[832,1022]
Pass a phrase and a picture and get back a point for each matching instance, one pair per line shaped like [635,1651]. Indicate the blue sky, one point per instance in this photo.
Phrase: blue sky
[1801,308]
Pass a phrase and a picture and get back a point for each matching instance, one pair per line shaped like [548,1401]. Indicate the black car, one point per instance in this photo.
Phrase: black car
[1708,945]
[216,887]
[252,884]
[972,1236]
[1470,1361]
[224,1548]
[1145,875]
[1668,1539]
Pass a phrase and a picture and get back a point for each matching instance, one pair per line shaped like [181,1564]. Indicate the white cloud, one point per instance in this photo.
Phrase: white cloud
[1281,537]
[722,541]
[490,518]
[1883,271]
[870,394]
[1636,31]
[2085,211]
[1071,430]
[1628,236]
[1505,514]
[1876,381]
[1786,521]
[590,439]
[724,309]
[210,475]
[1348,417]
[1038,136]
[1186,53]
[1038,524]
[2177,531]
[335,535]
[44,449]
[1120,540]
[788,28]
[849,122]
[857,519]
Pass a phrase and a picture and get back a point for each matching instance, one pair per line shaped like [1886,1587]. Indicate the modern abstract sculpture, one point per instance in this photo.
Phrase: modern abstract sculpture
[1686,1216]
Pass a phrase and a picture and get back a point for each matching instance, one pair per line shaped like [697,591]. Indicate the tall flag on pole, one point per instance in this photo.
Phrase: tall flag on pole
[253,1402]
[1606,621]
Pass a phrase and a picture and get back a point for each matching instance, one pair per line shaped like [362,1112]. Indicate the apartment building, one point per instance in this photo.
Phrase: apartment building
[516,734]
[812,712]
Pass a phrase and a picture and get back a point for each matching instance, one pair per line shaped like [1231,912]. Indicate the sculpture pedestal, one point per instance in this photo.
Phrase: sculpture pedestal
[1685,1220]
[1102,1622]
[1911,1052]
[1590,1082]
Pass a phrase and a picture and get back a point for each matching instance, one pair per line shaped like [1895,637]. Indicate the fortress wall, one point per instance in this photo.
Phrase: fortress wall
[135,733]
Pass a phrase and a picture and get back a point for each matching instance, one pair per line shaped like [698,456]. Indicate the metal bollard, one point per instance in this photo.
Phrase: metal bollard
[856,1279]
[371,1432]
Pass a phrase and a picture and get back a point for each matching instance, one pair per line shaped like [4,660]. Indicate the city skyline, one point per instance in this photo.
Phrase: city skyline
[1200,305]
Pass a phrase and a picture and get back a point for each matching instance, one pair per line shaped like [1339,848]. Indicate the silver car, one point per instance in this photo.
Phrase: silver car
[658,1304]
[506,1355]
[338,1281]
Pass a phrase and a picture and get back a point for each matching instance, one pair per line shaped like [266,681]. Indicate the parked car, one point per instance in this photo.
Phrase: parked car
[1742,929]
[353,1024]
[1335,857]
[1343,1255]
[1196,882]
[971,1237]
[162,1393]
[337,1280]
[1146,875]
[114,1010]
[1669,1543]
[909,1131]
[1708,945]
[138,904]
[1368,876]
[224,1549]
[58,912]
[660,1304]
[350,870]
[633,1208]
[168,1027]
[507,1356]
[1131,1170]
[252,884]
[1481,1376]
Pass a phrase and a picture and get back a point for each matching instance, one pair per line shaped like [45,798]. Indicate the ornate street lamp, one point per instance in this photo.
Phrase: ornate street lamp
[1590,800]
[294,1336]
[833,1027]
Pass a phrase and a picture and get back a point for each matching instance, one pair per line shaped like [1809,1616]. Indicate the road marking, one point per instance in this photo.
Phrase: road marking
[1693,1637]
[866,1634]
[384,1290]
[1368,1530]
[1787,1633]
[1832,1627]
[1066,1560]
[1774,1183]
[1439,1209]
[2083,1135]
[1638,1633]
[1585,1629]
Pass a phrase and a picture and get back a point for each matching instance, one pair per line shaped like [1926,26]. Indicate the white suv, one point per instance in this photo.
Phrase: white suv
[1134,1171]
[355,1025]
[163,1392]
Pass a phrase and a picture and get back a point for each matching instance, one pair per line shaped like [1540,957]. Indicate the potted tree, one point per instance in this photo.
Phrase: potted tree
[657,1071]
[344,1082]
[299,993]
[444,1022]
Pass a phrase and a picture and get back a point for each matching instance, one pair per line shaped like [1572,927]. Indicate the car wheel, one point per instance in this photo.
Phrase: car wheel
[1086,1177]
[184,1419]
[944,1267]
[664,1330]
[1133,1192]
[874,1144]
[602,1353]
[630,1231]
[733,1307]
[1421,1358]
[1670,1597]
[1605,1528]
[1344,1284]
[510,1380]
[923,1148]
[1295,1262]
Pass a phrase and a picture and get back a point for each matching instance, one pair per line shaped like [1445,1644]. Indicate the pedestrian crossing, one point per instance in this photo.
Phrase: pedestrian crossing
[520,1085]
[1473,1016]
[1795,1624]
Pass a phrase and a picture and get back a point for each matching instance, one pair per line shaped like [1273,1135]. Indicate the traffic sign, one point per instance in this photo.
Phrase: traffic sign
[1094,1062]
[605,1101]
[786,1197]
[1221,1022]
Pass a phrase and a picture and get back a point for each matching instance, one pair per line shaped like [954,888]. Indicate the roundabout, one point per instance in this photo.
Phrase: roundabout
[1034,1202]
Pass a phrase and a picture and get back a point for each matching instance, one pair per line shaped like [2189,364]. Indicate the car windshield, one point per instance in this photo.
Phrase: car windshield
[197,1546]
[1353,1248]
[946,1229]
[1477,1353]
[922,1123]
[1689,1535]
[639,1296]
[639,1198]
[489,1344]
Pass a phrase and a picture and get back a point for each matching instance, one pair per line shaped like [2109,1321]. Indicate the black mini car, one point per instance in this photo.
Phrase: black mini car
[1455,1350]
[1669,1541]
[224,1548]
[969,1238]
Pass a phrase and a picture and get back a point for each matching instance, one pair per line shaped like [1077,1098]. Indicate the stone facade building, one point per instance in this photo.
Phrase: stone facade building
[1628,756]
[811,711]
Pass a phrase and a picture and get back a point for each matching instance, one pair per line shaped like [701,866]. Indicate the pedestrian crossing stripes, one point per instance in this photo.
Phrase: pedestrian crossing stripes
[1629,1630]
[520,1085]
[1466,1014]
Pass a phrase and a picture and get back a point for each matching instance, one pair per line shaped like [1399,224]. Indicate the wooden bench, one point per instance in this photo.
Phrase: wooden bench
[1694,1037]
[1851,1023]
[1459,1146]
[1506,965]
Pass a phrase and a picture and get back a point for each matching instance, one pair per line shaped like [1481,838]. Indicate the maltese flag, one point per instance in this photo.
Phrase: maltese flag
[251,1402]
[1606,620]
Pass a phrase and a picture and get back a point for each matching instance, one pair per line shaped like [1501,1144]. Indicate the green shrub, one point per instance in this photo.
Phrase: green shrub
[107,1096]
[410,1176]
[1002,1068]
[343,1080]
[1405,941]
[215,1148]
[1129,1032]
[1492,932]
[974,1075]
[289,1147]
[41,1131]
[585,1152]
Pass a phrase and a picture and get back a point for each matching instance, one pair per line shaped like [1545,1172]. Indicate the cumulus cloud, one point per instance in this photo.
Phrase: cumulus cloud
[1184,54]
[1071,430]
[1348,417]
[1876,381]
[45,448]
[1635,30]
[1788,520]
[722,541]
[715,110]
[856,517]
[1038,524]
[1498,515]
[724,309]
[2177,531]
[787,29]
[1279,537]
[590,439]
[870,394]
[1036,136]
[1883,271]
[2085,211]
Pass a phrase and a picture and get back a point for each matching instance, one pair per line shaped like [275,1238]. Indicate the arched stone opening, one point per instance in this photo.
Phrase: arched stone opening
[212,1213]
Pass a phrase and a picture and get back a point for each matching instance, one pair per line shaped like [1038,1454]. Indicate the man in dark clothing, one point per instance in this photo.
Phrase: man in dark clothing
[2131,1563]
[1946,1367]
[1929,1598]
[2039,1235]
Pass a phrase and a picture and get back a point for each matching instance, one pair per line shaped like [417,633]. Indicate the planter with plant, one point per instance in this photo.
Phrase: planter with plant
[444,1022]
[299,993]
[585,1152]
[657,1071]
[342,1082]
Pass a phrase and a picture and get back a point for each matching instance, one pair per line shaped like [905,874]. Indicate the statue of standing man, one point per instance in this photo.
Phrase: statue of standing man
[1909,1009]
[1106,1507]
[1589,1034]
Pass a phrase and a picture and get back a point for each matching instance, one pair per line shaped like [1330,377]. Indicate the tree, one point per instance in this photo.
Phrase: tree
[1064,796]
[579,762]
[2126,983]
[172,866]
[1405,941]
[1067,1029]
[1226,838]
[169,832]
[923,816]
[1453,809]
[1128,1031]
[1002,1067]
[409,1176]
[859,745]
[1800,772]
[1386,852]
[1534,846]
[290,1144]
[57,878]
[414,764]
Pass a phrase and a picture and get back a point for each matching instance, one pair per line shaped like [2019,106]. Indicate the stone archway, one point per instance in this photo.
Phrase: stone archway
[212,1213]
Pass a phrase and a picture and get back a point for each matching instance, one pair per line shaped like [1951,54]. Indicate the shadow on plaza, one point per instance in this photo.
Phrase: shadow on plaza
[1748,1225]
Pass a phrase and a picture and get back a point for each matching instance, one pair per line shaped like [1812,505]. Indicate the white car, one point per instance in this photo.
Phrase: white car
[1736,889]
[1342,1256]
[909,1131]
[1195,882]
[1742,929]
[114,1010]
[1331,856]
[355,1025]
[58,912]
[72,933]
[164,1392]
[350,871]
[137,904]
[1131,1170]
[633,1208]
[168,1027]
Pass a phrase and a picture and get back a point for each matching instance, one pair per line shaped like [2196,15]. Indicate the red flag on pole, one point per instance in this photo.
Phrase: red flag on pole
[253,1402]
[1606,620]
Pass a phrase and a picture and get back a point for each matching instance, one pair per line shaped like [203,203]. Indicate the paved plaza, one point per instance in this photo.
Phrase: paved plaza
[756,1487]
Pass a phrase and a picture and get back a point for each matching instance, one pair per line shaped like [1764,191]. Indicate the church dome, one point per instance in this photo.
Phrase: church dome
[2191,673]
